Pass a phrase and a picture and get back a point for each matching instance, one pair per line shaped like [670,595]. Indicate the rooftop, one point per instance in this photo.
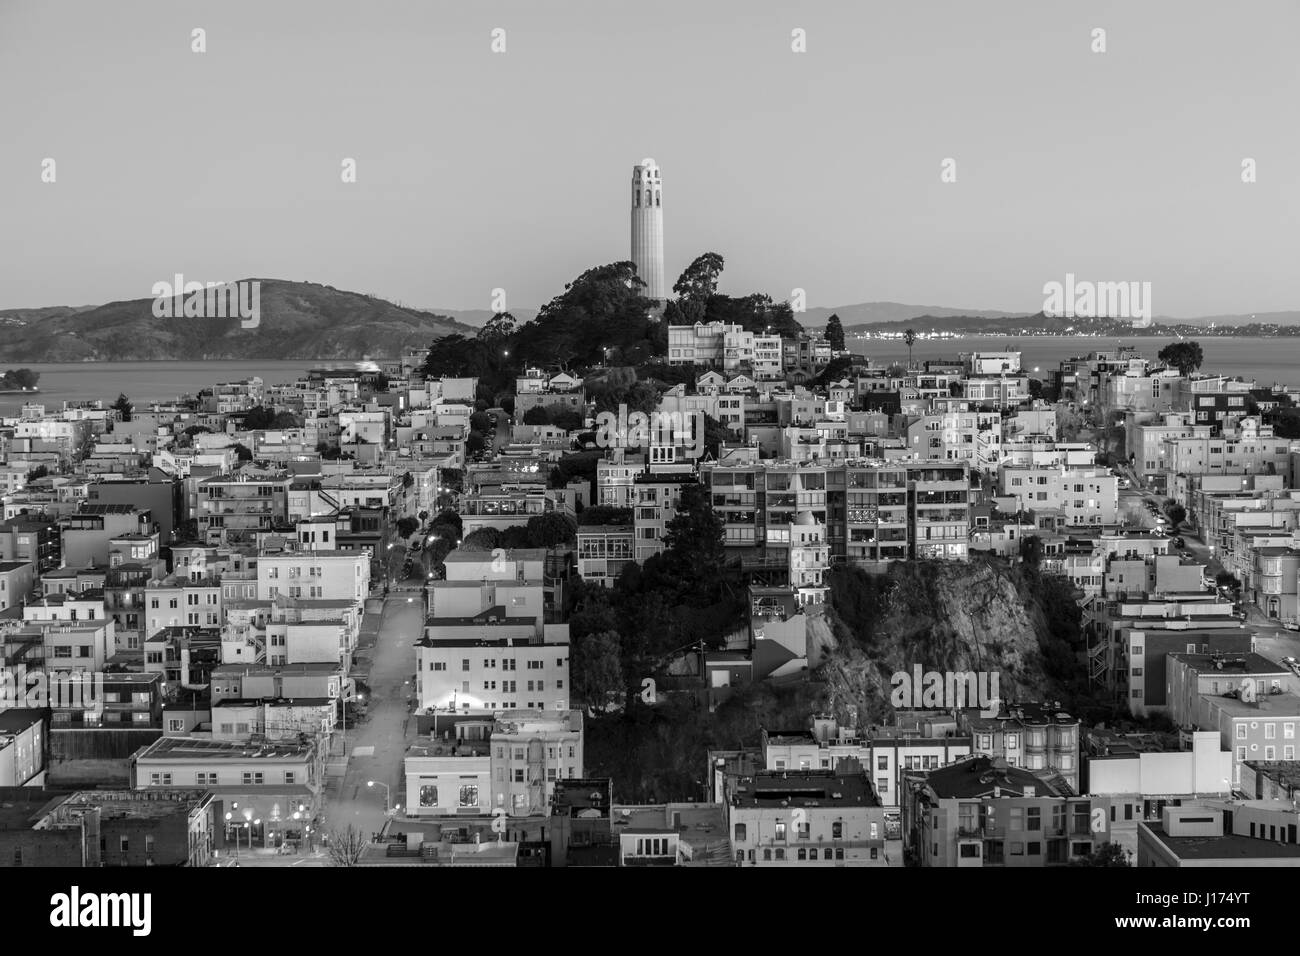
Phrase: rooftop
[981,776]
[197,748]
[1230,847]
[1246,663]
[803,788]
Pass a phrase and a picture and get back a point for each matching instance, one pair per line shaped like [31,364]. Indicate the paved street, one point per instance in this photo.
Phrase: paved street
[378,744]
[1272,640]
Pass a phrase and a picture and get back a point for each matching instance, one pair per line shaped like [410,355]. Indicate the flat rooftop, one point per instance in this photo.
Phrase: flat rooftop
[803,788]
[1265,705]
[1244,663]
[21,807]
[1231,847]
[198,748]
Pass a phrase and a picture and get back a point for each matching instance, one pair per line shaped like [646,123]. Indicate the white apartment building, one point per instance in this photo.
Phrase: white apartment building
[1086,496]
[314,574]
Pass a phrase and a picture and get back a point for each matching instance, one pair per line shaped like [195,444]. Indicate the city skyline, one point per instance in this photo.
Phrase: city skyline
[818,170]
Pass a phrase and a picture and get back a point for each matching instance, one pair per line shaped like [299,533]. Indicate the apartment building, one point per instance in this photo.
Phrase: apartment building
[1229,833]
[340,575]
[1082,496]
[658,496]
[603,551]
[262,792]
[531,751]
[806,818]
[234,508]
[1248,700]
[1035,736]
[873,511]
[983,812]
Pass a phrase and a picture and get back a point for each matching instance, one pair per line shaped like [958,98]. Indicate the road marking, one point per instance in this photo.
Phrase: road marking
[363,751]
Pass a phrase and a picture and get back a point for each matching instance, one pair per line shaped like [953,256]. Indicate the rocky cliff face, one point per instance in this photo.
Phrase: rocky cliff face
[942,616]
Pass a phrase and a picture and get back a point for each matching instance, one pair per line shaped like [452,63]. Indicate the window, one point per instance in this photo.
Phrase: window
[1241,732]
[175,725]
[468,795]
[839,852]
[837,830]
[289,777]
[124,843]
[519,775]
[780,832]
[1270,731]
[740,833]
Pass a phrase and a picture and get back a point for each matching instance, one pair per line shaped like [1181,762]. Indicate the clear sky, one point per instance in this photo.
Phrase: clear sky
[817,170]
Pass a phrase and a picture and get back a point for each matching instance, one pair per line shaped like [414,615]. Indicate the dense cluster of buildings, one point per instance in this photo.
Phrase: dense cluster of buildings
[181,597]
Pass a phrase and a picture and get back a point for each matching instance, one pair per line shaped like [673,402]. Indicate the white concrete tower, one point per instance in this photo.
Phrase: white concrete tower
[648,229]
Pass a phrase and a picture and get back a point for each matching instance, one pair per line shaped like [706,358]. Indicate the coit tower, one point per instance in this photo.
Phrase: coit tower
[648,228]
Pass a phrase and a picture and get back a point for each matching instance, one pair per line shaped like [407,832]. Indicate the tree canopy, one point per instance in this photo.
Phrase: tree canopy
[1184,356]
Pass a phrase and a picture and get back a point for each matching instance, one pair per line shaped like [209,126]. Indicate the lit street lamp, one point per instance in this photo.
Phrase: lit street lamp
[388,807]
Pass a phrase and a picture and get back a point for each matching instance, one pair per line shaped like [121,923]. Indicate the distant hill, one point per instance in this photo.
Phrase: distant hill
[299,320]
[479,317]
[868,313]
[880,316]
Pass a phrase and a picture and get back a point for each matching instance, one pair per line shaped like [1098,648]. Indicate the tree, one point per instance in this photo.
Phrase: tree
[514,537]
[407,526]
[563,417]
[551,530]
[693,548]
[1108,855]
[243,452]
[716,435]
[498,329]
[123,407]
[19,378]
[479,422]
[484,539]
[1184,356]
[286,420]
[193,430]
[475,442]
[1176,513]
[1286,422]
[597,670]
[696,285]
[436,553]
[1031,551]
[346,846]
[537,415]
[909,339]
[835,333]
[40,471]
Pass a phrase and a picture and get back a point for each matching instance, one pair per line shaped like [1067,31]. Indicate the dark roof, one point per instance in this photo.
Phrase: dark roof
[1229,847]
[981,776]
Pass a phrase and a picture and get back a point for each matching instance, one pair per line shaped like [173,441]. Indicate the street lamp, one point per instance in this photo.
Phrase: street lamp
[387,794]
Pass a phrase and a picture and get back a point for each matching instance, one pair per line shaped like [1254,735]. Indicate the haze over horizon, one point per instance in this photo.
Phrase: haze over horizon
[819,170]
